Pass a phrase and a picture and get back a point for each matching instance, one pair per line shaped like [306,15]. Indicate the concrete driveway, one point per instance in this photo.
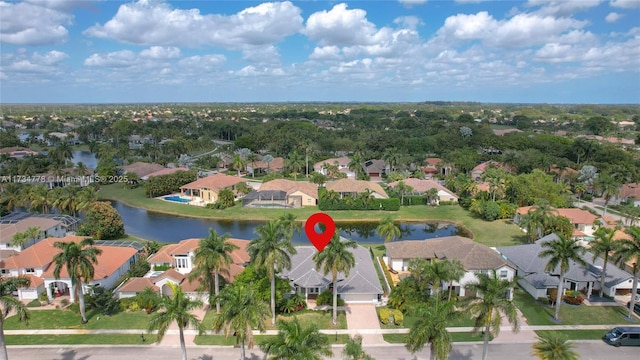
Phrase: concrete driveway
[364,316]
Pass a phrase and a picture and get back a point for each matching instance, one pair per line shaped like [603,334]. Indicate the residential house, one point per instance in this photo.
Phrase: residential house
[584,222]
[142,169]
[476,172]
[283,193]
[65,177]
[57,137]
[342,163]
[475,258]
[421,187]
[165,171]
[17,152]
[375,169]
[537,281]
[37,262]
[630,192]
[361,286]
[206,189]
[351,187]
[435,166]
[261,167]
[20,222]
[137,141]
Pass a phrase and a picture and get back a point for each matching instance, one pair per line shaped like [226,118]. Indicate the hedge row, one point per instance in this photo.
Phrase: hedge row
[356,204]
[168,184]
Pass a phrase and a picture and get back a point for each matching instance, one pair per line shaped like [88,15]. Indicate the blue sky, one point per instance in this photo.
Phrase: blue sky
[535,51]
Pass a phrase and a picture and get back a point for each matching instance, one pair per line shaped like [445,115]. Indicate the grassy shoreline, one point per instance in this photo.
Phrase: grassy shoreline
[496,233]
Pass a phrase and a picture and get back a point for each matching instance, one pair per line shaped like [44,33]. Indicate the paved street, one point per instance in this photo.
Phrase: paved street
[587,349]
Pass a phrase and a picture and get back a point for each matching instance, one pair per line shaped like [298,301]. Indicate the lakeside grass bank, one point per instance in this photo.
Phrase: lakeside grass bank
[496,233]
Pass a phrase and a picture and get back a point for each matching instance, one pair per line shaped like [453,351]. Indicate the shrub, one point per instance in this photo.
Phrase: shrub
[386,314]
[34,303]
[574,298]
[326,298]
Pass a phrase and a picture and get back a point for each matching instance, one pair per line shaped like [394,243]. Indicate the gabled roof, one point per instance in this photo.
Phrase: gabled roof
[483,166]
[375,165]
[171,274]
[142,168]
[357,186]
[472,255]
[34,281]
[37,255]
[433,161]
[576,216]
[276,165]
[7,231]
[110,260]
[137,284]
[362,278]
[289,187]
[422,186]
[214,182]
[526,259]
[165,171]
[630,190]
[341,161]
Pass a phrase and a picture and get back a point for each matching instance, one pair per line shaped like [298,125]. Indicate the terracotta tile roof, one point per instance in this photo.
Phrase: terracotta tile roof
[142,168]
[422,186]
[7,253]
[214,182]
[37,255]
[110,260]
[163,255]
[276,165]
[357,186]
[165,171]
[342,161]
[7,231]
[630,190]
[375,165]
[138,284]
[483,166]
[576,216]
[34,281]
[472,255]
[290,187]
[433,161]
[172,274]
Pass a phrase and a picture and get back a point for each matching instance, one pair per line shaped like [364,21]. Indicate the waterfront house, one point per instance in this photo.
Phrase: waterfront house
[584,222]
[207,188]
[283,193]
[421,187]
[342,163]
[351,187]
[50,226]
[142,169]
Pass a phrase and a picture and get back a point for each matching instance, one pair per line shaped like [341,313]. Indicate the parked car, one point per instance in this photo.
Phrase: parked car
[636,307]
[623,336]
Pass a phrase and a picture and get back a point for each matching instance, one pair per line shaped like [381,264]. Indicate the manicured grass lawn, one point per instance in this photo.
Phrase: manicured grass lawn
[456,337]
[538,314]
[409,321]
[496,233]
[231,341]
[322,319]
[126,339]
[66,319]
[575,334]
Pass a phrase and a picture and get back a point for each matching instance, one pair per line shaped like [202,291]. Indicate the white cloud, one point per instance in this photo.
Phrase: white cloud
[160,52]
[205,62]
[613,17]
[25,66]
[63,5]
[29,24]
[158,23]
[626,4]
[410,22]
[341,27]
[122,58]
[411,3]
[563,7]
[326,53]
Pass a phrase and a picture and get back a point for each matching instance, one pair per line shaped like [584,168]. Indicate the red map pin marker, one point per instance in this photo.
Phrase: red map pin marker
[320,240]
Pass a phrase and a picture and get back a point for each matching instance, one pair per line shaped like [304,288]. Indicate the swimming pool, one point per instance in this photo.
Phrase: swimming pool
[177,199]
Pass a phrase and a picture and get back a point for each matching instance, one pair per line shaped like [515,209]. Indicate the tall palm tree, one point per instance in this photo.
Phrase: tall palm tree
[402,189]
[81,168]
[603,245]
[355,164]
[78,259]
[493,300]
[295,163]
[560,253]
[388,229]
[580,188]
[38,198]
[272,250]
[295,341]
[9,304]
[431,327]
[353,349]
[336,258]
[392,157]
[609,187]
[12,195]
[32,233]
[289,225]
[176,308]
[629,251]
[268,159]
[242,312]
[554,347]
[212,257]
[455,272]
[238,163]
[85,198]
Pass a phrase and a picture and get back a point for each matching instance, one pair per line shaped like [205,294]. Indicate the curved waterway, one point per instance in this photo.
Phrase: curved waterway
[167,228]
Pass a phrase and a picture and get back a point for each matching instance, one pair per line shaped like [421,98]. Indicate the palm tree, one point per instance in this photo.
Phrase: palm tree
[238,163]
[431,327]
[355,164]
[252,158]
[212,257]
[32,233]
[81,168]
[402,189]
[268,159]
[353,349]
[148,299]
[176,308]
[554,347]
[493,300]
[629,251]
[561,252]
[9,304]
[272,250]
[580,188]
[295,341]
[78,259]
[11,195]
[336,258]
[455,272]
[289,225]
[603,245]
[392,157]
[295,162]
[38,198]
[388,229]
[609,187]
[242,312]
[85,198]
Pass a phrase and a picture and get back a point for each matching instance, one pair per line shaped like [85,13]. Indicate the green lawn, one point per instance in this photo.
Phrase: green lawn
[575,334]
[538,314]
[40,339]
[409,321]
[231,341]
[322,319]
[496,233]
[66,319]
[456,337]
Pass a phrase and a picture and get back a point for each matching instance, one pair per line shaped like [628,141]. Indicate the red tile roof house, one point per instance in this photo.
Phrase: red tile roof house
[421,187]
[17,152]
[584,222]
[630,192]
[48,227]
[476,172]
[475,258]
[342,163]
[260,167]
[351,187]
[166,171]
[207,188]
[37,261]
[180,258]
[297,193]
[142,168]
